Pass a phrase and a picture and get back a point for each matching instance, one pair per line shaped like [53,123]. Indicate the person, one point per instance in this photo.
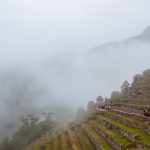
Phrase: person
[146,113]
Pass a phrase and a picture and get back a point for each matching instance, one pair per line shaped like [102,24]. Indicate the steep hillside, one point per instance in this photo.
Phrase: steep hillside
[124,123]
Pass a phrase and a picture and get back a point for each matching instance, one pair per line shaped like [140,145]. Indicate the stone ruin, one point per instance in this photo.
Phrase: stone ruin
[100,102]
[124,126]
[134,98]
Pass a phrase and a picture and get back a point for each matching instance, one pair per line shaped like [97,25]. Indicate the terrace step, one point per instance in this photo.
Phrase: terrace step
[56,141]
[75,144]
[96,139]
[48,142]
[42,142]
[128,109]
[84,140]
[135,106]
[65,143]
[139,101]
[128,121]
[134,134]
[134,115]
[118,141]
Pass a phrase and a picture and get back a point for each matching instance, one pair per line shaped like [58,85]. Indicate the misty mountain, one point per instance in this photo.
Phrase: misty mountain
[62,83]
[143,38]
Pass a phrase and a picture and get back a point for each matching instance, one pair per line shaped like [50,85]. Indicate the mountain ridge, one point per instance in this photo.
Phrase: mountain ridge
[144,37]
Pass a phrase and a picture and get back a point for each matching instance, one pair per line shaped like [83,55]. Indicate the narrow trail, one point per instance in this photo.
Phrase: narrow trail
[133,114]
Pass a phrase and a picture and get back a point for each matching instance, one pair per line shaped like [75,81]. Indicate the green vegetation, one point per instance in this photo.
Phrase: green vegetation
[65,144]
[116,136]
[28,133]
[74,141]
[84,140]
[129,119]
[143,137]
[77,135]
[97,138]
[105,129]
[139,106]
[56,142]
[89,114]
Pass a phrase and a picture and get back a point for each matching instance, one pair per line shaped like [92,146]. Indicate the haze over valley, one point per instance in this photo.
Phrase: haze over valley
[57,56]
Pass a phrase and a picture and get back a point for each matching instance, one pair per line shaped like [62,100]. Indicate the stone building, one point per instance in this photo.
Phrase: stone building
[91,104]
[115,94]
[99,99]
[125,86]
[99,102]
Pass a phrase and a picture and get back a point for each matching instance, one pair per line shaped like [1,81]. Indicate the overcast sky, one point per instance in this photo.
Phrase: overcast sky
[42,45]
[29,26]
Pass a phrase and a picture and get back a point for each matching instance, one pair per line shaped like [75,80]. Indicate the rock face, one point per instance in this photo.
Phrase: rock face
[122,126]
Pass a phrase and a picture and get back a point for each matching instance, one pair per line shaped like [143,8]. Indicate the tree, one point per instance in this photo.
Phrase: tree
[29,132]
[29,120]
[48,115]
